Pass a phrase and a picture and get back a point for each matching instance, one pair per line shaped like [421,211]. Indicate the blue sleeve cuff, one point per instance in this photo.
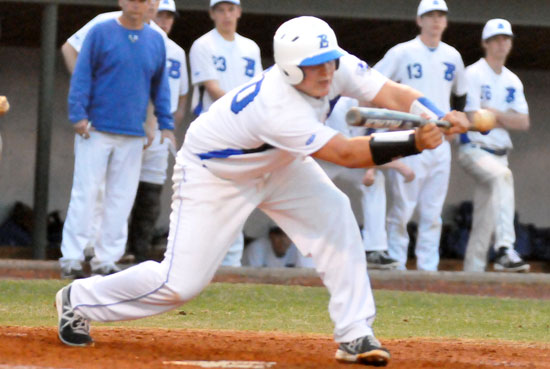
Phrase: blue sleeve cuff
[430,105]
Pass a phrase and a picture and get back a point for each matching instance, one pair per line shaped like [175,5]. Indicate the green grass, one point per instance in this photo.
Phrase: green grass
[304,310]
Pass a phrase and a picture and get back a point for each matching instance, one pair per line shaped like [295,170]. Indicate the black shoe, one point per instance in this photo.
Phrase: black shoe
[72,273]
[380,260]
[106,269]
[364,350]
[508,260]
[73,329]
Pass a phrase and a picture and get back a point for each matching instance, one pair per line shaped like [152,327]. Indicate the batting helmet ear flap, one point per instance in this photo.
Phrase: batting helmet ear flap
[293,74]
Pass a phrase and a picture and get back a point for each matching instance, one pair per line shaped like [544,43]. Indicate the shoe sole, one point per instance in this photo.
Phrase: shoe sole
[521,269]
[59,307]
[382,266]
[373,357]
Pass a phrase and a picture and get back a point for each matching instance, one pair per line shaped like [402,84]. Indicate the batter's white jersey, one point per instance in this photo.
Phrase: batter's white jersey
[77,39]
[435,72]
[231,63]
[272,122]
[487,89]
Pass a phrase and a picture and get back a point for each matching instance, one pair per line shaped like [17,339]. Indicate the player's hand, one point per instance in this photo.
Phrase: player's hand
[406,172]
[428,137]
[368,178]
[459,120]
[149,138]
[4,105]
[82,128]
[168,136]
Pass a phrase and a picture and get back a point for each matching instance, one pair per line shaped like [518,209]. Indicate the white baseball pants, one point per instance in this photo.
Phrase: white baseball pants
[493,204]
[373,203]
[374,214]
[103,158]
[207,214]
[154,161]
[427,194]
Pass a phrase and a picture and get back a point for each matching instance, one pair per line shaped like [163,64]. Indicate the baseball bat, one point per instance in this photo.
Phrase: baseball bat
[483,120]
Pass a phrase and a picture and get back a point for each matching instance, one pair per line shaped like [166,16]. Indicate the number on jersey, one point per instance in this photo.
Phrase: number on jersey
[415,70]
[245,96]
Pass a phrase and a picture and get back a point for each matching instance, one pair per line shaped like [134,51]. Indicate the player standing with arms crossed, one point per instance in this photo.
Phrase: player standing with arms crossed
[436,69]
[494,87]
[220,61]
[251,149]
[117,54]
[154,162]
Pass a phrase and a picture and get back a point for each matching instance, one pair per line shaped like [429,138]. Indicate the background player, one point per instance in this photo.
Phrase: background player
[70,51]
[494,87]
[154,162]
[372,192]
[78,231]
[436,69]
[251,149]
[220,61]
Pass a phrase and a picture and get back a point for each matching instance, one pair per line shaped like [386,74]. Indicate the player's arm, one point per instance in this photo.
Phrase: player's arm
[511,119]
[213,88]
[378,148]
[179,114]
[69,56]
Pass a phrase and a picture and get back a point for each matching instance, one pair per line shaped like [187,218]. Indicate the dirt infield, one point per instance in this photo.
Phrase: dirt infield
[123,348]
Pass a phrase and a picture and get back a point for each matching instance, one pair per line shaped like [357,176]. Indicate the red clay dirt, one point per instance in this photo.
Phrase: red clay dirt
[125,348]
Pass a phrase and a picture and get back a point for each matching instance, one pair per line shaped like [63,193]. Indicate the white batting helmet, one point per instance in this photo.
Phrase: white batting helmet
[301,42]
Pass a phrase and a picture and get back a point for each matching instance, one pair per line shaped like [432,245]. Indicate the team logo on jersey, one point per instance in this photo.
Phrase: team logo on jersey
[133,38]
[174,68]
[219,63]
[250,67]
[362,68]
[449,72]
[485,92]
[511,94]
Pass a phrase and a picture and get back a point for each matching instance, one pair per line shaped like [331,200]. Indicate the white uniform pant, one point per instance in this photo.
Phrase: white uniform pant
[427,194]
[154,161]
[207,214]
[103,158]
[374,214]
[493,204]
[373,203]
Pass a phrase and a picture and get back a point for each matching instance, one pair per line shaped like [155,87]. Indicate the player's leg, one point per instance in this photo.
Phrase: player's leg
[375,240]
[235,252]
[403,200]
[317,216]
[120,190]
[494,201]
[91,157]
[146,209]
[430,204]
[207,214]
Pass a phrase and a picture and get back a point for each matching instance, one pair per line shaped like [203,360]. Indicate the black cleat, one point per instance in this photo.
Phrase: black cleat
[380,260]
[364,350]
[73,329]
[508,260]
